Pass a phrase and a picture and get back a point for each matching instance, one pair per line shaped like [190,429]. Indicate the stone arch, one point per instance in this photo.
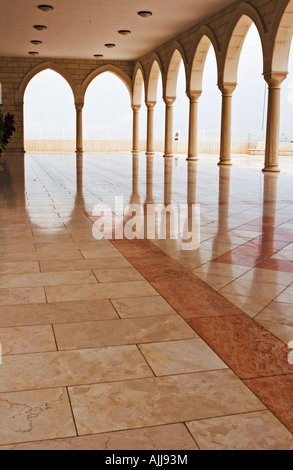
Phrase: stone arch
[40,68]
[204,41]
[176,56]
[281,38]
[243,19]
[103,69]
[153,79]
[138,83]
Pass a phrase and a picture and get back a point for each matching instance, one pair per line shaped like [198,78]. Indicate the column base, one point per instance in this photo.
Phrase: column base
[168,155]
[150,154]
[225,163]
[192,159]
[79,151]
[272,169]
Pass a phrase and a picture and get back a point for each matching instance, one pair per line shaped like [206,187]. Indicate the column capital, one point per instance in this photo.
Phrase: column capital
[136,108]
[194,95]
[150,104]
[169,100]
[275,79]
[79,106]
[227,88]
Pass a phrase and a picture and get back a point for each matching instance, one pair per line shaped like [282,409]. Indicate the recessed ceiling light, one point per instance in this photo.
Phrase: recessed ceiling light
[39,27]
[110,46]
[124,32]
[144,14]
[98,56]
[46,8]
[33,53]
[37,43]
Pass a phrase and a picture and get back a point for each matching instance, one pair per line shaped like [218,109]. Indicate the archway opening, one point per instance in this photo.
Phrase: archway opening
[139,100]
[250,97]
[181,113]
[286,131]
[155,94]
[107,114]
[49,112]
[209,118]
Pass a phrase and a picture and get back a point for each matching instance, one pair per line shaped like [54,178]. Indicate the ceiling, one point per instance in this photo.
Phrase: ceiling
[80,28]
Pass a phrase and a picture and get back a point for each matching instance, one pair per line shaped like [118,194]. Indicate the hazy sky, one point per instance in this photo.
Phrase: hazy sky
[50,112]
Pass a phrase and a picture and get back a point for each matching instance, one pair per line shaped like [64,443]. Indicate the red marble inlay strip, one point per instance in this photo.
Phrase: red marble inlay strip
[246,347]
[252,352]
[277,394]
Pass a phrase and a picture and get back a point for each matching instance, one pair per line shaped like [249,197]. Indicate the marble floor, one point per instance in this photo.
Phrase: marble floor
[120,336]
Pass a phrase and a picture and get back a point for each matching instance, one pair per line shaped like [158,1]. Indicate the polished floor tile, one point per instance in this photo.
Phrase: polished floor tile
[64,312]
[27,339]
[155,401]
[116,275]
[142,307]
[79,367]
[252,431]
[47,279]
[34,415]
[169,437]
[126,331]
[19,296]
[181,357]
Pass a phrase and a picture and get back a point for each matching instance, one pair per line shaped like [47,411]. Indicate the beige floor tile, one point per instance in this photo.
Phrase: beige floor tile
[249,305]
[143,307]
[258,290]
[268,276]
[126,331]
[109,290]
[84,264]
[46,314]
[169,437]
[27,339]
[253,431]
[222,269]
[117,275]
[101,253]
[158,401]
[181,357]
[216,282]
[19,268]
[47,279]
[42,256]
[34,415]
[278,319]
[61,369]
[22,296]
[286,296]
[23,247]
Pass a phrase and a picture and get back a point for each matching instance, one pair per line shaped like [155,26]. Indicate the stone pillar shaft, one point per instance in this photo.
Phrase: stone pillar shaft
[169,152]
[79,127]
[135,134]
[193,125]
[150,128]
[274,81]
[227,90]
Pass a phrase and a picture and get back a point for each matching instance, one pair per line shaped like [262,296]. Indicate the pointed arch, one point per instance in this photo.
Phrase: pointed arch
[243,19]
[40,68]
[153,78]
[103,69]
[203,42]
[282,38]
[176,56]
[138,84]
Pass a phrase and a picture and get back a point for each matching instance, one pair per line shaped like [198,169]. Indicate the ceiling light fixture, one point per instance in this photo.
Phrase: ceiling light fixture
[124,32]
[98,56]
[33,53]
[37,43]
[110,46]
[39,27]
[46,8]
[145,14]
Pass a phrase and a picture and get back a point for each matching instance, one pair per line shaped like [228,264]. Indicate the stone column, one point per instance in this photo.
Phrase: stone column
[135,135]
[169,128]
[79,128]
[227,90]
[274,80]
[150,128]
[193,122]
